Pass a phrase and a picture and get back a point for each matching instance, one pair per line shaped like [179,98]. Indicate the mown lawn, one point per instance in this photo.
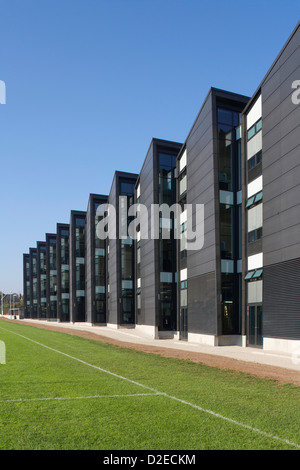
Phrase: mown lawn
[67,398]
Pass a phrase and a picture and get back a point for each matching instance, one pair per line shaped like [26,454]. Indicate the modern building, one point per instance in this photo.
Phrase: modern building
[33,282]
[41,280]
[51,276]
[209,174]
[156,267]
[95,262]
[232,276]
[63,272]
[271,145]
[120,253]
[26,285]
[77,266]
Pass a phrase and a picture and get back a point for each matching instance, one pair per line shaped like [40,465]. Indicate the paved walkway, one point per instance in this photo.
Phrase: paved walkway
[254,355]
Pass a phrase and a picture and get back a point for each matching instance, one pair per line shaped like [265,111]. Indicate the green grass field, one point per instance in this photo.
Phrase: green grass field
[63,392]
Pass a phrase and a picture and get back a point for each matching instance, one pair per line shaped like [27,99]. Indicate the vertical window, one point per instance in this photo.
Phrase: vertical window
[226,231]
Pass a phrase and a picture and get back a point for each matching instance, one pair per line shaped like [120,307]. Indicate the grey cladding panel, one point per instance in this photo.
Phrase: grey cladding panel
[282,300]
[280,163]
[201,188]
[202,313]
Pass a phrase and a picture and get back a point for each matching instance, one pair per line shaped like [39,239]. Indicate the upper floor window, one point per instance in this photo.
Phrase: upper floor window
[254,129]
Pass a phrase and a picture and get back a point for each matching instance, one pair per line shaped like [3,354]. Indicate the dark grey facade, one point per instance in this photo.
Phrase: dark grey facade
[278,173]
[156,264]
[33,282]
[95,263]
[26,285]
[51,276]
[120,261]
[41,280]
[77,266]
[63,272]
[209,173]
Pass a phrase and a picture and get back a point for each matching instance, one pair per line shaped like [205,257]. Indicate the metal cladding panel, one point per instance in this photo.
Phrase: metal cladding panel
[38,269]
[202,304]
[201,188]
[281,300]
[147,265]
[88,263]
[59,228]
[204,265]
[113,265]
[201,264]
[280,163]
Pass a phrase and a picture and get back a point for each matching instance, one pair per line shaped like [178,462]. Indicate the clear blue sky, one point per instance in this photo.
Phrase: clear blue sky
[90,82]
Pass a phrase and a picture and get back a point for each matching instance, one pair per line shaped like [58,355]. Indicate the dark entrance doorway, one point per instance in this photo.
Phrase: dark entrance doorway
[183,324]
[255,337]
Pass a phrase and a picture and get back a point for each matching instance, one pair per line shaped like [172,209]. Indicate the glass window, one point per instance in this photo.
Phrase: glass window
[225,116]
[251,132]
[257,274]
[258,126]
[258,157]
[79,242]
[167,161]
[127,188]
[255,160]
[255,235]
[79,222]
[249,275]
[258,197]
[183,285]
[251,163]
[126,262]
[250,201]
[225,165]
[226,231]
[227,305]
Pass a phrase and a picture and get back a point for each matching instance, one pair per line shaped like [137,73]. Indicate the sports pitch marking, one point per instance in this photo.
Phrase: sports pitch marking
[157,392]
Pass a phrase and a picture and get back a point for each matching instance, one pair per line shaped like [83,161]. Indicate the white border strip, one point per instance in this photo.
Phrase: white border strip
[156,392]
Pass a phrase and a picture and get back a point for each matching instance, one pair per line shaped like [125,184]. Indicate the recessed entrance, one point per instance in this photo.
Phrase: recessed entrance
[255,335]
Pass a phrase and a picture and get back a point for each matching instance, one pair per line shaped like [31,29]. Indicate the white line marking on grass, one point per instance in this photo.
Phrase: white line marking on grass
[12,400]
[156,392]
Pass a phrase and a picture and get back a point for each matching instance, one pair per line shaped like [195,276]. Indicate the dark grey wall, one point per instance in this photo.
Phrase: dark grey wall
[204,265]
[201,264]
[72,259]
[281,195]
[147,273]
[59,227]
[90,256]
[32,255]
[49,236]
[281,307]
[149,247]
[114,262]
[38,268]
[26,278]
[281,163]
[113,265]
[89,248]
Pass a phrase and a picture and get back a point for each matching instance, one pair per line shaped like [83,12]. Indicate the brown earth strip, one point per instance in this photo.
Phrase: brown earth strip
[279,374]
